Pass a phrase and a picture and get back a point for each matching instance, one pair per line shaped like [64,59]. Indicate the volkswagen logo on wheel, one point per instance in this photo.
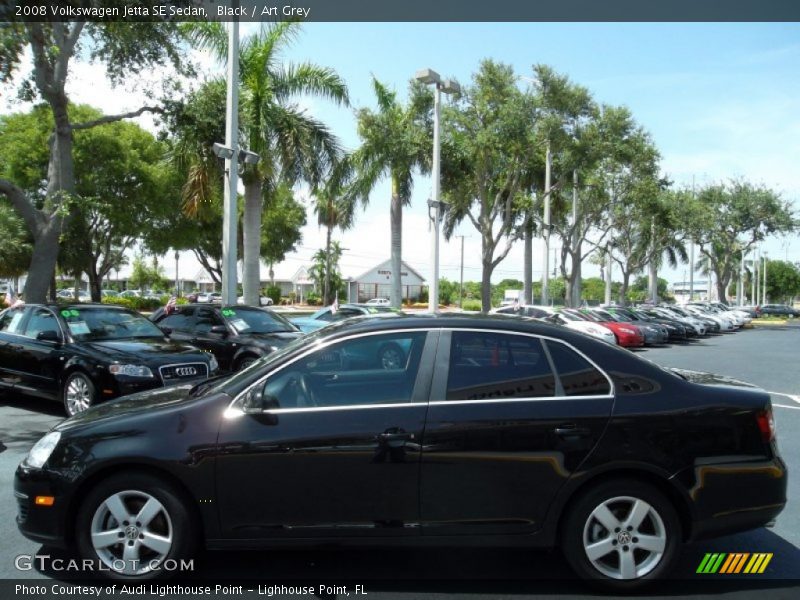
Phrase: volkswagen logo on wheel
[185,371]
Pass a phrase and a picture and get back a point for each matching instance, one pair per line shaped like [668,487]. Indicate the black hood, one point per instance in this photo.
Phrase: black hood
[148,350]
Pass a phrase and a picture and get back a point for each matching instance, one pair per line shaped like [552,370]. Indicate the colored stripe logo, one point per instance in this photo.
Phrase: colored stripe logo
[734,562]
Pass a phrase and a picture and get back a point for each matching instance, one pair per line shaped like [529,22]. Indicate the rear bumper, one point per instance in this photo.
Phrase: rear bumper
[734,497]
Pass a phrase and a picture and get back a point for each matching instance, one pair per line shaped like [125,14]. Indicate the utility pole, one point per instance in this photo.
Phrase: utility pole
[461,279]
[576,265]
[230,204]
[757,274]
[764,293]
[547,168]
[691,258]
[740,289]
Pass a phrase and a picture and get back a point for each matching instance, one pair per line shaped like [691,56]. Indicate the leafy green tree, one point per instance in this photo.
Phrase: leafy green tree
[395,142]
[293,146]
[16,251]
[283,219]
[144,276]
[448,292]
[125,49]
[783,281]
[117,167]
[728,219]
[487,142]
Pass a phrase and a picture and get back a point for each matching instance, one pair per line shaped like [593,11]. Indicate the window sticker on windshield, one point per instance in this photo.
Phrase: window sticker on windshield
[78,327]
[240,324]
[228,312]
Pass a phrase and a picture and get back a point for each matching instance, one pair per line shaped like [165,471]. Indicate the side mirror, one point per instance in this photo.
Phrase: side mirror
[256,401]
[219,330]
[48,336]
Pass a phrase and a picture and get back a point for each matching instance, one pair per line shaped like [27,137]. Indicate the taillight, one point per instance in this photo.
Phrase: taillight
[766,425]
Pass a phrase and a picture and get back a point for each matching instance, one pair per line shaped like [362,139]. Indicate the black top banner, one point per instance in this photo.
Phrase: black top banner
[401,10]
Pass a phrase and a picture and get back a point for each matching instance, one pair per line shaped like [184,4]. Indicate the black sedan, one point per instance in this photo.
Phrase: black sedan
[84,353]
[236,335]
[783,310]
[490,430]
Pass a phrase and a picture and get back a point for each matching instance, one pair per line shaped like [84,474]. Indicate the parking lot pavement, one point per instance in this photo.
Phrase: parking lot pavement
[759,356]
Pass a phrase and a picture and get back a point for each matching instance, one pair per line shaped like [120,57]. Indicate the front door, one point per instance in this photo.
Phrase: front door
[332,448]
[43,360]
[511,418]
[12,366]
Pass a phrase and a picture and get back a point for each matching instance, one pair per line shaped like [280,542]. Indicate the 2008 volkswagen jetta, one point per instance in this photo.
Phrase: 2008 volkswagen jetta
[507,431]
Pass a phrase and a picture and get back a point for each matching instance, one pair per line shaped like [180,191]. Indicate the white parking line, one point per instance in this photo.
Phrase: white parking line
[784,406]
[793,397]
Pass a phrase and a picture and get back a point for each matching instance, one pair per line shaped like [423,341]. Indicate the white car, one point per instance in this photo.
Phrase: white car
[553,316]
[379,302]
[262,300]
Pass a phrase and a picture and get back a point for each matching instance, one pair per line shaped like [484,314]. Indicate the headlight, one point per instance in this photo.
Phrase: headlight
[213,365]
[130,370]
[628,331]
[42,450]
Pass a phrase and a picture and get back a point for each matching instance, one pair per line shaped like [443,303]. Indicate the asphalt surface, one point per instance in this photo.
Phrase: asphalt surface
[765,356]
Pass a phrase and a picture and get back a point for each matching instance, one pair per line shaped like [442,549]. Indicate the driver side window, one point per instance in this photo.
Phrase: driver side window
[375,369]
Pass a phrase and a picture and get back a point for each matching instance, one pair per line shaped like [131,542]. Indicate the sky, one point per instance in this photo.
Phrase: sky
[721,101]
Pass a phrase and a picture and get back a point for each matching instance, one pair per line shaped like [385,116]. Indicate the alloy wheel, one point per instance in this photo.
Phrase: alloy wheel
[624,538]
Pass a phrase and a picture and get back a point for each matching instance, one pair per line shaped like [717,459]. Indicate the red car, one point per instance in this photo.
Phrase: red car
[627,335]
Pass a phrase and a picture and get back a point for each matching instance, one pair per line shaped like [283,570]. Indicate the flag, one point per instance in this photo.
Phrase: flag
[335,306]
[12,299]
[171,303]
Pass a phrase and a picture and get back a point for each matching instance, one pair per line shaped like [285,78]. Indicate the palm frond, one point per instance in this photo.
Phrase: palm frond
[307,78]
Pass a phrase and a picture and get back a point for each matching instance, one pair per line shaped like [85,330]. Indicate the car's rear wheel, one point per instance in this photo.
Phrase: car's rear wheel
[621,534]
[78,393]
[135,527]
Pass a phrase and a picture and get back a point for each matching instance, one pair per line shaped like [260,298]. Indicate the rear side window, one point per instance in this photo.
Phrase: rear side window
[178,321]
[11,320]
[578,376]
[497,366]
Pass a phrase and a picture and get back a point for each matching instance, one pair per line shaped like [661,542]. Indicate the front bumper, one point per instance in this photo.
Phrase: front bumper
[43,524]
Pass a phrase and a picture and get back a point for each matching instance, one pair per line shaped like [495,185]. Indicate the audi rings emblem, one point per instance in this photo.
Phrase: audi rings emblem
[185,371]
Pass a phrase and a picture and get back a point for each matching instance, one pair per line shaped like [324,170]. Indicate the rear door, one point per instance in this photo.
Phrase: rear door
[511,418]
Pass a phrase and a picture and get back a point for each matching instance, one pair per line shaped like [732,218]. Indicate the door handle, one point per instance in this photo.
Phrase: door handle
[571,430]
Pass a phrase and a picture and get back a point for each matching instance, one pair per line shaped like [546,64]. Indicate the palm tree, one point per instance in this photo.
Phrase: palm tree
[293,145]
[396,140]
[334,209]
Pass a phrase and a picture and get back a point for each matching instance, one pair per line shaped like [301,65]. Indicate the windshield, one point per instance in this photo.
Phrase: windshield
[254,320]
[96,323]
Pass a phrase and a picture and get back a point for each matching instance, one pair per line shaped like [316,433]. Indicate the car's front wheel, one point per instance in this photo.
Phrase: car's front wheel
[621,534]
[78,393]
[135,527]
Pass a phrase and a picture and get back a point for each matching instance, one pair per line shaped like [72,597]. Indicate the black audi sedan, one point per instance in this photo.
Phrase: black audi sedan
[489,431]
[236,335]
[83,354]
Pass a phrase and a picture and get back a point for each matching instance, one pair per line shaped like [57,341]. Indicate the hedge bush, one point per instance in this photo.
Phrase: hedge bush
[471,304]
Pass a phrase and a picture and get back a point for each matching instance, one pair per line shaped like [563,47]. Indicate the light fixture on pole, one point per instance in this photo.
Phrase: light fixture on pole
[448,86]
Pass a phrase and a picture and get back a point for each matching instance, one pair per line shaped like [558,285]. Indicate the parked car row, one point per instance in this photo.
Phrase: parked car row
[644,325]
[472,430]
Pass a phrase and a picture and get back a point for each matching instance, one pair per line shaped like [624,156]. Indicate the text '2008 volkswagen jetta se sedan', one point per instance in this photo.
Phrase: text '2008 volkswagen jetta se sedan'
[505,431]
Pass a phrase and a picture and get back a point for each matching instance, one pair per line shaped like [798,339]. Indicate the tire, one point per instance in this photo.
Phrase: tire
[167,535]
[614,547]
[245,362]
[78,393]
[391,356]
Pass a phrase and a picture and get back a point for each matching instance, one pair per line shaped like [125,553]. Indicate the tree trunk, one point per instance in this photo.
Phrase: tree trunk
[43,261]
[722,286]
[573,295]
[397,245]
[653,283]
[623,290]
[326,293]
[251,232]
[527,270]
[486,287]
[95,284]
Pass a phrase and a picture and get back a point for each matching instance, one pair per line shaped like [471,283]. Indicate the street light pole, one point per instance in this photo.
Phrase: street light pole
[764,293]
[230,208]
[428,76]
